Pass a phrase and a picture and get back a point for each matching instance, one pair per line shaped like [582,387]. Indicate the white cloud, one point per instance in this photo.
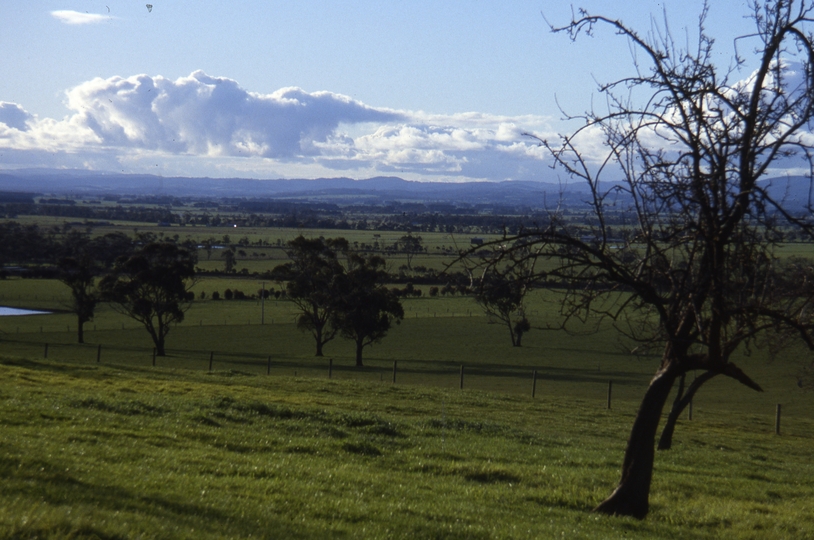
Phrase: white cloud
[75,17]
[212,126]
[213,116]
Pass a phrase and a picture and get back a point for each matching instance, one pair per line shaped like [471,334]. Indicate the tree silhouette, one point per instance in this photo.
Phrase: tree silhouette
[313,277]
[687,147]
[152,286]
[410,245]
[82,260]
[367,308]
[229,259]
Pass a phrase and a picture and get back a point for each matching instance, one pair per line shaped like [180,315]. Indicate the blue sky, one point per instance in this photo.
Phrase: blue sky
[425,90]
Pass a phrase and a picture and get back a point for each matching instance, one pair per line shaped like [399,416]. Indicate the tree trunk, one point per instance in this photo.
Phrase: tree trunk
[80,331]
[319,335]
[680,403]
[511,333]
[631,496]
[359,346]
[675,410]
[159,346]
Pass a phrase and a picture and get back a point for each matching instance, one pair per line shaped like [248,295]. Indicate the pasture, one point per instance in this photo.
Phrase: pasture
[265,444]
[125,452]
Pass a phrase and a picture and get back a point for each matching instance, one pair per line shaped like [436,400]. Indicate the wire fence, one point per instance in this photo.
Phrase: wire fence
[619,391]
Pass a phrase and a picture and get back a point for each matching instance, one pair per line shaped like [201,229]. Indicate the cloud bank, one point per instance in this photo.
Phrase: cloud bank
[204,125]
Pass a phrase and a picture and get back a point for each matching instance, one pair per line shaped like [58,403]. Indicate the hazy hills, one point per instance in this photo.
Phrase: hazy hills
[793,190]
[372,190]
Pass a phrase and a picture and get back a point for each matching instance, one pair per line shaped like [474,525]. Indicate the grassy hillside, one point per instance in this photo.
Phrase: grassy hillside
[116,452]
[122,449]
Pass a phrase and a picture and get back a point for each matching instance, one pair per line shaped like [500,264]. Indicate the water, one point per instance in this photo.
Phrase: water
[10,311]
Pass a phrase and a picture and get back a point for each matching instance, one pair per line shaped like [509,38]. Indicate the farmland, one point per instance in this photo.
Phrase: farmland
[121,448]
[240,431]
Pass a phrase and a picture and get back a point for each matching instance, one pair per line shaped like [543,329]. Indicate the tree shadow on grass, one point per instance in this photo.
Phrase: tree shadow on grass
[256,364]
[43,482]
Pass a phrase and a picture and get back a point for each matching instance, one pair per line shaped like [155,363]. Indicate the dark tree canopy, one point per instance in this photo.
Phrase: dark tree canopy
[152,286]
[367,308]
[502,298]
[687,147]
[25,244]
[313,278]
[229,259]
[82,259]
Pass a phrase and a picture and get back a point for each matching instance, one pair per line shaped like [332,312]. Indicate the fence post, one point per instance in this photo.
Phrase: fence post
[395,364]
[99,354]
[533,383]
[268,366]
[330,367]
[610,391]
[211,357]
[777,421]
[462,376]
[153,356]
[689,412]
[45,353]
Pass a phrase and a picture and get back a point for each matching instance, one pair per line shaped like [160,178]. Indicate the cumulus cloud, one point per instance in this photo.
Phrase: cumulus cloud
[483,148]
[213,116]
[213,120]
[75,17]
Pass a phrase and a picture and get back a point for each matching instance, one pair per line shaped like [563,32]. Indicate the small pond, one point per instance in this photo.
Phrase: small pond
[10,311]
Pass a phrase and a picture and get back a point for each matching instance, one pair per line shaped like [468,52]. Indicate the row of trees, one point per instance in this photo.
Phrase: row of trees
[422,218]
[340,292]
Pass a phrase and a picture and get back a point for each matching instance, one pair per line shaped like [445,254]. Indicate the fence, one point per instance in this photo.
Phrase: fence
[616,391]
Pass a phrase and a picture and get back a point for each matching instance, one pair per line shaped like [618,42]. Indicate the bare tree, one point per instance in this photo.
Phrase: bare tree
[688,147]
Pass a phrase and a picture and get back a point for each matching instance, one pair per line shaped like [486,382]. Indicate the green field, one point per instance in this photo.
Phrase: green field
[266,445]
[124,452]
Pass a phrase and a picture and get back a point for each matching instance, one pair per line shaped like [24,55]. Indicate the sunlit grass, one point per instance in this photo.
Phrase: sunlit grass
[120,449]
[121,453]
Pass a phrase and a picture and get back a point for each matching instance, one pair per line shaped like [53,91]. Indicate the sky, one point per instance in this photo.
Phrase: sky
[424,90]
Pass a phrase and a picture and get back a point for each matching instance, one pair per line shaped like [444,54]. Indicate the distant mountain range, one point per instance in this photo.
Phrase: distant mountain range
[340,190]
[379,190]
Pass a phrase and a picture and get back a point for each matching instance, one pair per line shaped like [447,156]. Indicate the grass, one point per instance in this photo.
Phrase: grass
[135,452]
[121,449]
[437,336]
